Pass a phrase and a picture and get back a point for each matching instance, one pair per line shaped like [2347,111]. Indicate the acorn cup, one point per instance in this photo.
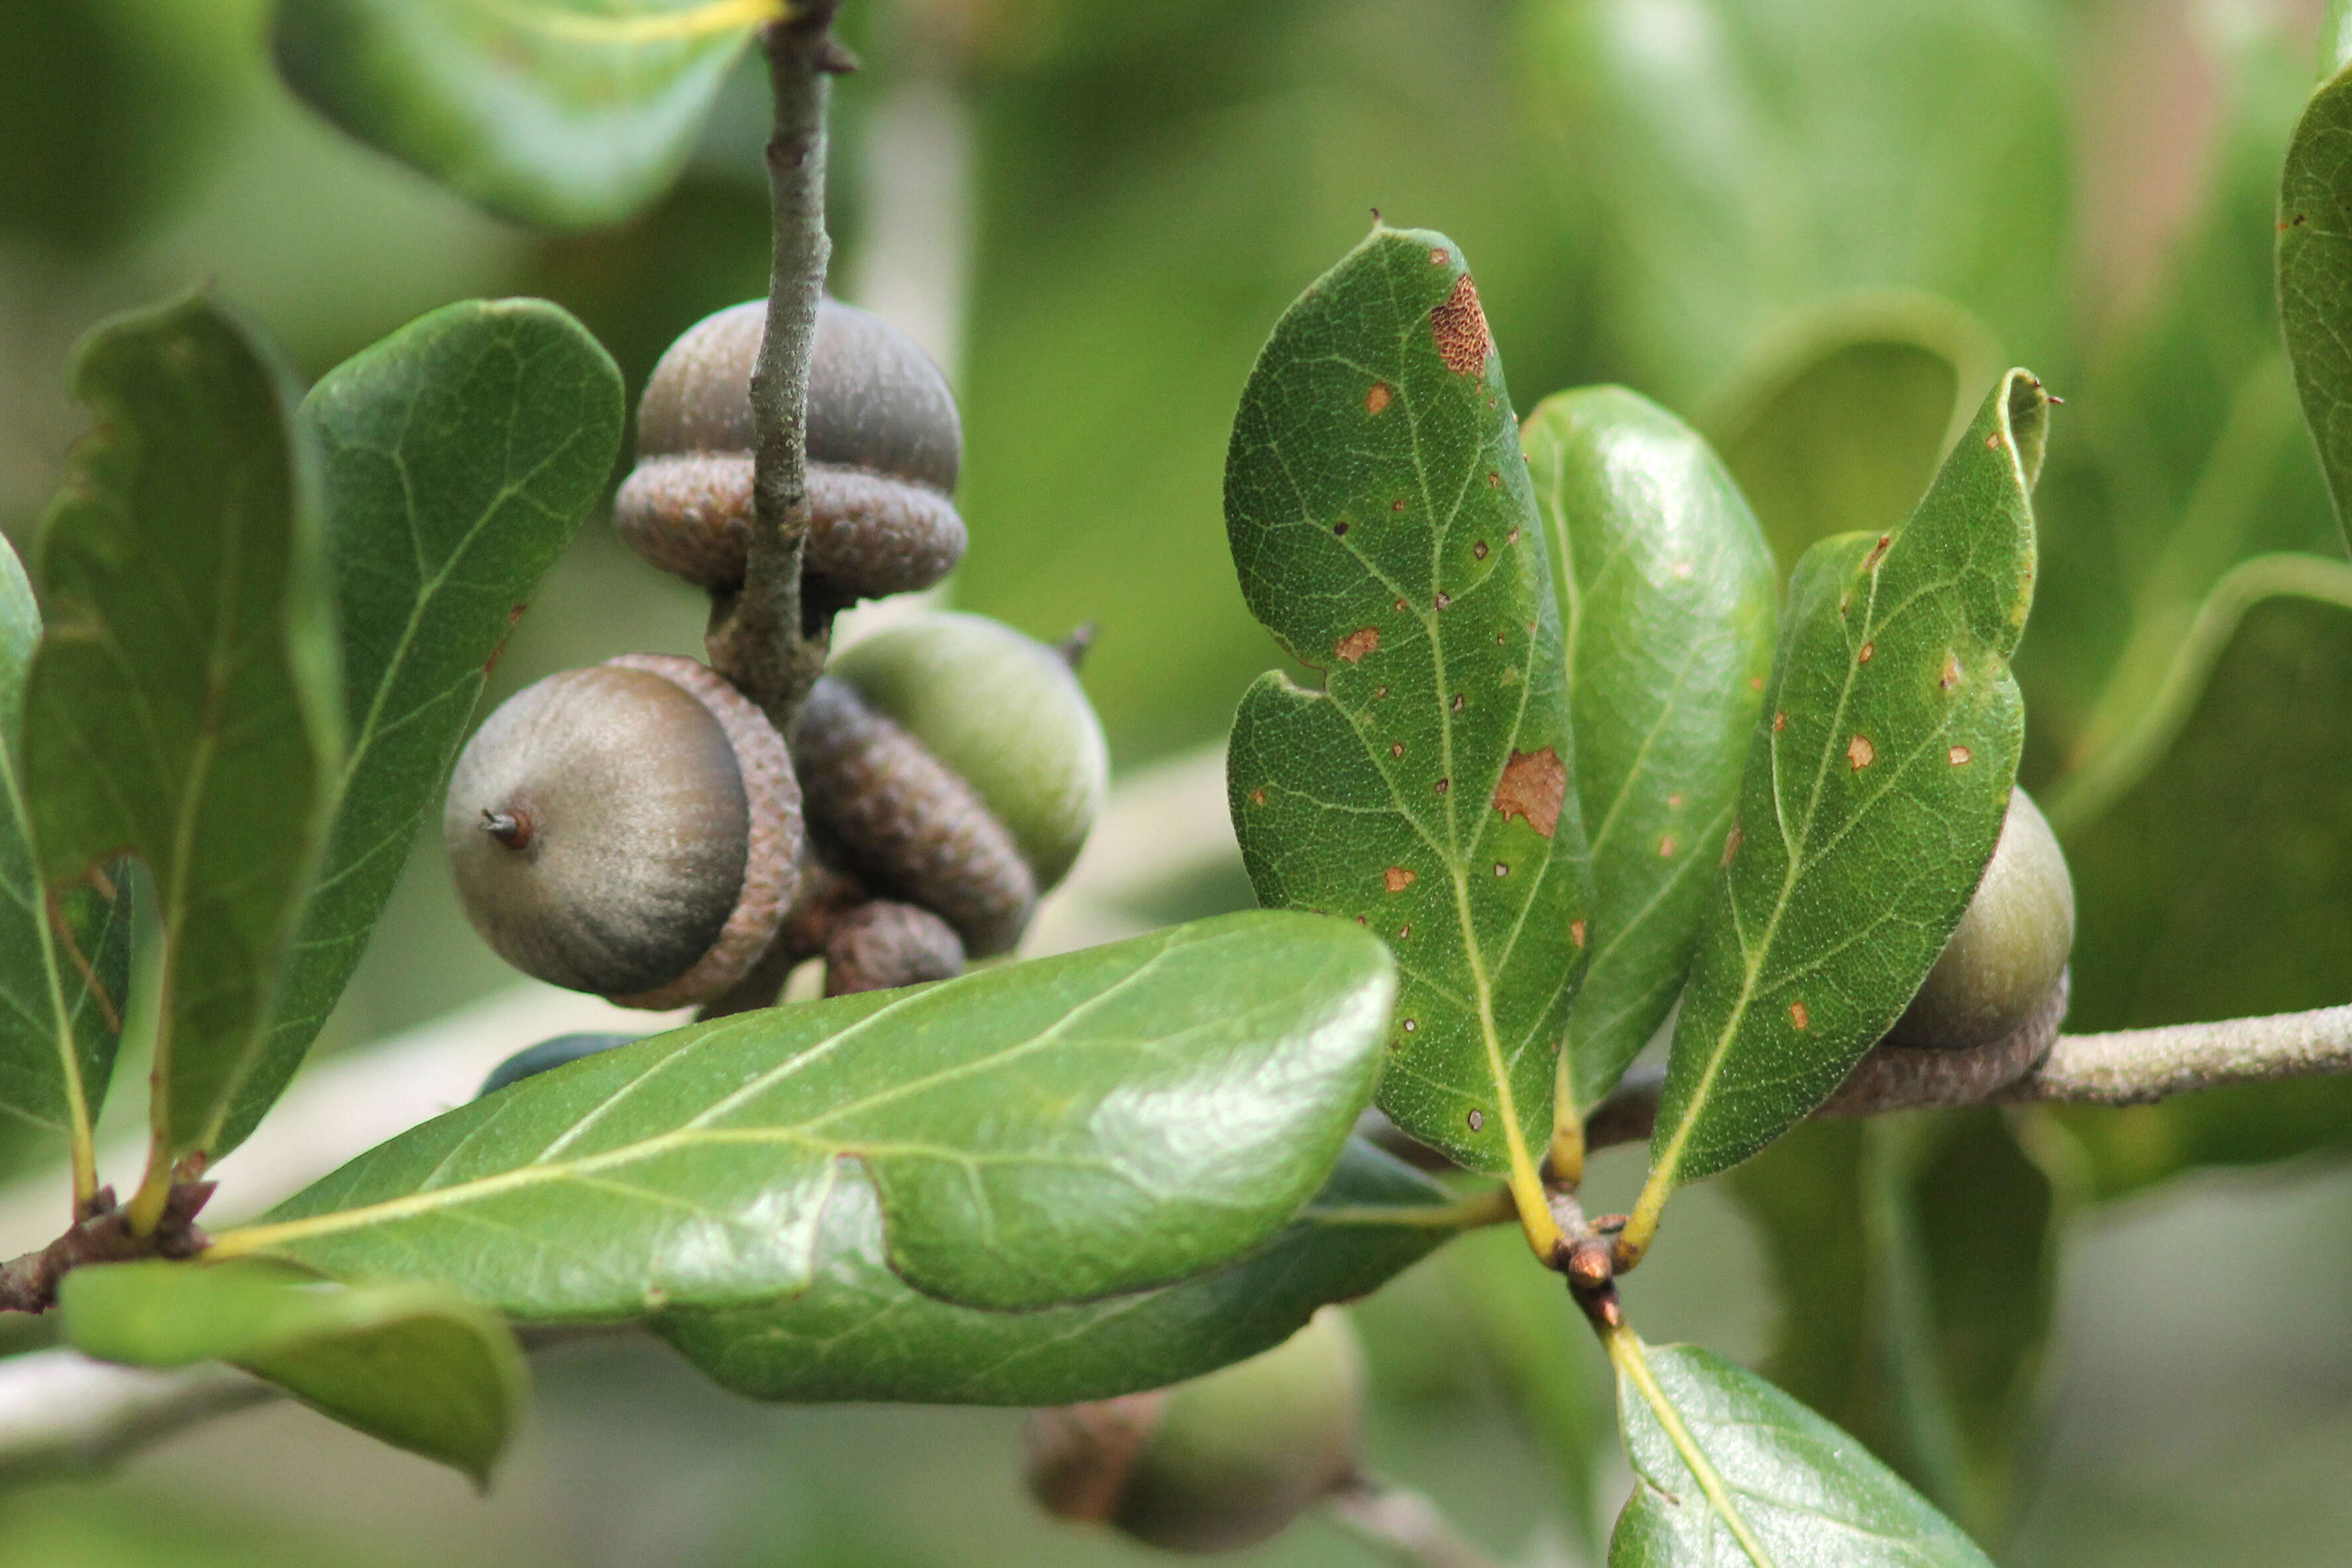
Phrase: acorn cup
[2008,956]
[630,830]
[883,449]
[1222,1462]
[953,764]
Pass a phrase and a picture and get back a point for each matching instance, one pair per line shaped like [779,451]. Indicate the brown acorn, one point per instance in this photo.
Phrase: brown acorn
[630,830]
[883,449]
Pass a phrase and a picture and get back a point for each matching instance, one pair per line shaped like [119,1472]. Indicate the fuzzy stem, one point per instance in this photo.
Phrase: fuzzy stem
[762,636]
[1402,1524]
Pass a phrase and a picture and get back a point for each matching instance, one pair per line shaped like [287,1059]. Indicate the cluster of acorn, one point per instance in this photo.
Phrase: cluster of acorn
[639,829]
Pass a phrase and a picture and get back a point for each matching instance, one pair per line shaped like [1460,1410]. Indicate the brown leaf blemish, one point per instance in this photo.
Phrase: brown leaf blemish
[1951,675]
[1339,531]
[1877,551]
[1780,721]
[1444,786]
[1257,797]
[1861,753]
[1398,879]
[1396,748]
[1477,1119]
[1459,329]
[1667,848]
[1502,868]
[1731,844]
[1478,551]
[1352,647]
[1799,1016]
[1959,756]
[1378,398]
[1867,649]
[1533,785]
[1576,933]
[1458,700]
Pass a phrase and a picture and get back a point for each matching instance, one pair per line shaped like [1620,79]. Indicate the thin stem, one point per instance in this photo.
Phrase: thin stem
[1403,1525]
[63,1414]
[762,636]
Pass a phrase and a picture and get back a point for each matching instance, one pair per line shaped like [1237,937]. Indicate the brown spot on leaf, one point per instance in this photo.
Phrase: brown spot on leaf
[1397,505]
[1378,398]
[1459,327]
[1494,479]
[1951,675]
[1444,600]
[1731,844]
[1576,933]
[1861,753]
[1799,1016]
[1667,848]
[1673,800]
[1411,1025]
[1396,748]
[1444,785]
[1532,787]
[1477,1119]
[1356,644]
[1458,700]
[1877,551]
[1780,721]
[1512,537]
[1398,879]
[1959,755]
[1339,530]
[1400,605]
[1404,932]
[1502,868]
[1755,683]
[1257,797]
[1383,691]
[1867,649]
[1993,441]
[1479,550]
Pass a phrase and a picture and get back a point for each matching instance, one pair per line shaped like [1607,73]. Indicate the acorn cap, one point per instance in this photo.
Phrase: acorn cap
[628,829]
[1004,711]
[884,446]
[1222,1462]
[883,945]
[904,823]
[2009,949]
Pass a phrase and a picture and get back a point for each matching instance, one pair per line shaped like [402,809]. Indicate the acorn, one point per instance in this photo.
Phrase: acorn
[1222,1462]
[559,1051]
[953,764]
[884,448]
[883,945]
[2009,952]
[629,830]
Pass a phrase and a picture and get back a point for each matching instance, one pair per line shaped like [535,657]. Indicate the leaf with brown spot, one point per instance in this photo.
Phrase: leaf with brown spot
[1352,647]
[1862,843]
[1382,770]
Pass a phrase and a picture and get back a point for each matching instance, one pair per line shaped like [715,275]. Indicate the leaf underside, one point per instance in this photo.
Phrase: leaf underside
[1873,793]
[460,455]
[1666,600]
[568,114]
[182,706]
[1036,1134]
[1806,1492]
[861,1332]
[412,1365]
[1381,516]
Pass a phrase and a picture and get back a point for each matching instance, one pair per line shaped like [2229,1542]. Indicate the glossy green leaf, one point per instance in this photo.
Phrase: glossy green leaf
[58,1029]
[182,707]
[564,113]
[1873,798]
[1380,513]
[461,453]
[1753,158]
[2314,275]
[2185,454]
[1034,1134]
[2220,884]
[1728,1470]
[1666,606]
[1915,1265]
[858,1332]
[1841,429]
[414,1365]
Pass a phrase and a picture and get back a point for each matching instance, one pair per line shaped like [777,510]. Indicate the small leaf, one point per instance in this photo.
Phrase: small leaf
[860,1333]
[1874,794]
[1729,1469]
[1381,516]
[1034,1134]
[564,113]
[2314,275]
[58,1028]
[1666,593]
[182,706]
[414,1366]
[460,453]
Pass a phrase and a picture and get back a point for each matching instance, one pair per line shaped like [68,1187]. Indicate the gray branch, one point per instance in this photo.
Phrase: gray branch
[62,1413]
[1402,1525]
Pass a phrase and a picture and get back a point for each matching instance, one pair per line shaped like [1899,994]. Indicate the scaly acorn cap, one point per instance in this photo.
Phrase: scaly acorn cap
[1222,1462]
[883,449]
[629,830]
[883,945]
[2007,954]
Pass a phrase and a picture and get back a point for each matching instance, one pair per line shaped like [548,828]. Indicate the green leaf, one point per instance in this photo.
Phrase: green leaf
[1873,796]
[1916,1264]
[1380,513]
[858,1332]
[1034,1134]
[2218,884]
[415,1365]
[1754,158]
[1729,1469]
[563,113]
[1841,427]
[57,1030]
[2314,275]
[1666,593]
[461,453]
[181,705]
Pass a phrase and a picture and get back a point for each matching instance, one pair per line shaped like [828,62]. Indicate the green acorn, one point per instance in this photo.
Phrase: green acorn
[2009,949]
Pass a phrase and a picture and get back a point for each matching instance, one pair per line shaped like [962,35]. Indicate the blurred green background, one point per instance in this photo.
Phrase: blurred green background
[1815,228]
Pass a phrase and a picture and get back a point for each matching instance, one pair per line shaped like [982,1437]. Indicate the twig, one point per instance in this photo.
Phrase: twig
[62,1413]
[763,636]
[1403,1524]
